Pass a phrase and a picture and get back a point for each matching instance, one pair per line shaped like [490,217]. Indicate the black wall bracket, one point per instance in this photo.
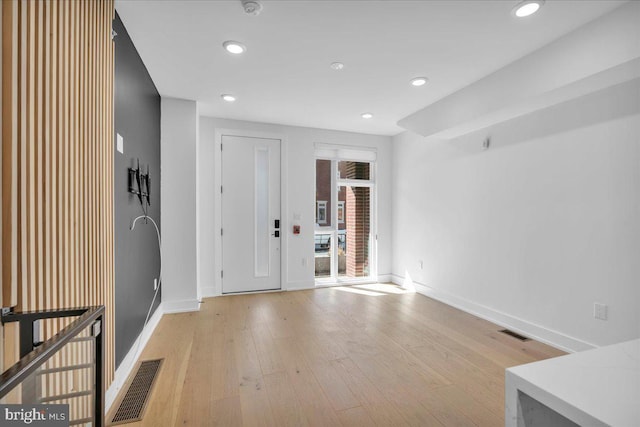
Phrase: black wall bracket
[140,184]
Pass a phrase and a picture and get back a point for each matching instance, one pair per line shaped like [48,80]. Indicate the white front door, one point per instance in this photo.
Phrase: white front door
[250,214]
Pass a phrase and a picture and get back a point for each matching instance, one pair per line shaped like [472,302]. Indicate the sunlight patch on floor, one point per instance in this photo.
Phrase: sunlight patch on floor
[354,290]
[373,289]
[385,287]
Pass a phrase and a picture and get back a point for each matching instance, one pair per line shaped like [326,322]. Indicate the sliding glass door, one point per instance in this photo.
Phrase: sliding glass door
[344,232]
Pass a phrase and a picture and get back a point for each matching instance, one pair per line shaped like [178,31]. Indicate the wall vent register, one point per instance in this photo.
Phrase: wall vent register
[134,402]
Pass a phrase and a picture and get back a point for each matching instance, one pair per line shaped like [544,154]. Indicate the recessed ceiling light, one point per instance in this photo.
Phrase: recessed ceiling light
[419,81]
[527,8]
[367,115]
[337,65]
[234,47]
[228,98]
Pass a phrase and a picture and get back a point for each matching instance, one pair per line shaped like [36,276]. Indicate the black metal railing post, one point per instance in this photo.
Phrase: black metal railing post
[99,371]
[25,327]
[26,336]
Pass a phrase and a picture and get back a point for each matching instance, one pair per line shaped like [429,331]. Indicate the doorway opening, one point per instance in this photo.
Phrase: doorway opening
[345,221]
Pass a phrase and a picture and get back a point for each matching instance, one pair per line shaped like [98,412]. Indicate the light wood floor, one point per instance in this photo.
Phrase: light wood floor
[359,356]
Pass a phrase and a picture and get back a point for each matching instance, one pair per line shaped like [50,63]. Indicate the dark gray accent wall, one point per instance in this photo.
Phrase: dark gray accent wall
[137,258]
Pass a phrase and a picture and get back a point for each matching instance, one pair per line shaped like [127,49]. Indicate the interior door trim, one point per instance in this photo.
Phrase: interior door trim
[219,133]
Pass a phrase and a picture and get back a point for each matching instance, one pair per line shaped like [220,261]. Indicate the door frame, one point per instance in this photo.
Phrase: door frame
[334,279]
[217,199]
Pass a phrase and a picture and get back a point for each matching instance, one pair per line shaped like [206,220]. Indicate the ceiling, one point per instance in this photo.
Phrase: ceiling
[284,77]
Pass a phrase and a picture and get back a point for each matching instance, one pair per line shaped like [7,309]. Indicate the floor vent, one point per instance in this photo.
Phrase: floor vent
[515,335]
[135,400]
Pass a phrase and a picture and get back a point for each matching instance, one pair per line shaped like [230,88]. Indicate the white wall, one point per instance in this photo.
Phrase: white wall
[299,166]
[533,231]
[179,145]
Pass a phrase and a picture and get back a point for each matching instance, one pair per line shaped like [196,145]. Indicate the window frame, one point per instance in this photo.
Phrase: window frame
[341,207]
[321,204]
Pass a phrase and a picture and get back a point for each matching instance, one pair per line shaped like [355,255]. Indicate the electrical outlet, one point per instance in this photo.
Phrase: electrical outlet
[600,311]
[155,284]
[304,262]
[420,264]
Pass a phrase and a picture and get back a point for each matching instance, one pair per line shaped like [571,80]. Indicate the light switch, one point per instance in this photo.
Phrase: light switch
[600,311]
[120,143]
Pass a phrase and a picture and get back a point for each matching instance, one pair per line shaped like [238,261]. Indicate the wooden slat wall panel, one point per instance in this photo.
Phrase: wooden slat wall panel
[57,160]
[10,175]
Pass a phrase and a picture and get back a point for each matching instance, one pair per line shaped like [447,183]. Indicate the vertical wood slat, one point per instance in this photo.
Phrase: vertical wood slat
[9,266]
[11,146]
[57,161]
[46,177]
[9,152]
[22,148]
[83,93]
[65,161]
[53,157]
[30,145]
[39,131]
[73,78]
[60,113]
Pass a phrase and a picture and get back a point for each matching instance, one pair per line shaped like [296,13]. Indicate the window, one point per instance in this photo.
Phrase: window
[321,212]
[341,212]
[354,170]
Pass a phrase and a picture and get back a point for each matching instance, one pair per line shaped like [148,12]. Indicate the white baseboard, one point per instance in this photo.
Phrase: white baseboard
[521,326]
[208,292]
[384,278]
[181,306]
[127,364]
[300,285]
